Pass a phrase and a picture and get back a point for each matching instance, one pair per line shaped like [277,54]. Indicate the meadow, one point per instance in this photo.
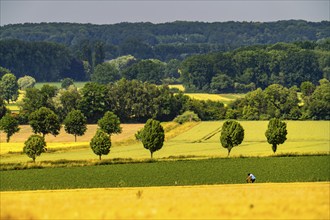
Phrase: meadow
[236,201]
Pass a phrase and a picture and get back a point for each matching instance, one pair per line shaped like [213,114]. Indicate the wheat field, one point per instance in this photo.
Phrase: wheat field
[239,201]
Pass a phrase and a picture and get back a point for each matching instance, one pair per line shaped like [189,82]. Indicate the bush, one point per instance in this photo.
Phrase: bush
[187,116]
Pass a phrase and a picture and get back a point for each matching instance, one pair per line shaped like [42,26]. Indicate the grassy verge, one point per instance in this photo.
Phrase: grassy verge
[167,173]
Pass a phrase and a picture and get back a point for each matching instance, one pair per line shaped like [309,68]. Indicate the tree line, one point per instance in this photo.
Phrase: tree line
[136,101]
[174,40]
[241,70]
[246,69]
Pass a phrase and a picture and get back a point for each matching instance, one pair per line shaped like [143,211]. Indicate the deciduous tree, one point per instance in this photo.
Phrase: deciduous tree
[34,146]
[9,87]
[26,82]
[110,123]
[75,123]
[276,133]
[9,125]
[152,136]
[232,134]
[66,82]
[100,143]
[45,121]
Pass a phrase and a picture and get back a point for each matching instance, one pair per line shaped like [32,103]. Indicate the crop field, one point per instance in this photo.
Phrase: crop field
[239,201]
[191,139]
[224,98]
[170,172]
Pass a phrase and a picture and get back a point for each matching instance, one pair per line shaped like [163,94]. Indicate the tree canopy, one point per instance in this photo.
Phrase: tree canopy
[110,123]
[34,146]
[232,134]
[100,143]
[152,136]
[276,133]
[9,87]
[9,124]
[75,123]
[44,121]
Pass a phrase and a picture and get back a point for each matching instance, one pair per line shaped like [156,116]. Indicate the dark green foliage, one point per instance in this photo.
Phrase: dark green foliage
[169,40]
[3,108]
[66,101]
[9,124]
[105,73]
[134,101]
[34,146]
[187,116]
[9,87]
[167,173]
[100,143]
[26,82]
[307,88]
[152,136]
[232,134]
[44,121]
[75,123]
[45,61]
[109,123]
[33,100]
[276,133]
[93,101]
[274,101]
[151,71]
[253,67]
[66,82]
[317,105]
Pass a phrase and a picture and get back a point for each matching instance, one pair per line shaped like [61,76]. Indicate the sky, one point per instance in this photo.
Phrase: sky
[116,11]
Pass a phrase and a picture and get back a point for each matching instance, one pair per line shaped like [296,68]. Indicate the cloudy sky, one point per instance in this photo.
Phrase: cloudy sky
[115,11]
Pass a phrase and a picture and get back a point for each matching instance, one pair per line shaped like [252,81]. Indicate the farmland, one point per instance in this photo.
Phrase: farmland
[239,201]
[183,181]
[191,139]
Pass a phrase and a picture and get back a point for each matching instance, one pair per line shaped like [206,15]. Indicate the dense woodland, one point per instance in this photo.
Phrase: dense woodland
[127,62]
[53,51]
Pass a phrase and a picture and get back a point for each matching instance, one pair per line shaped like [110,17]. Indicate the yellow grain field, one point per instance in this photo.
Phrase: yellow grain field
[240,201]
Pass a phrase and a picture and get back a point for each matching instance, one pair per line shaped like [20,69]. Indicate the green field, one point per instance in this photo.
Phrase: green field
[166,173]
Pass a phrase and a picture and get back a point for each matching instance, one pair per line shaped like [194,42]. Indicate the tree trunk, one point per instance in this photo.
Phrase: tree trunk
[75,138]
[229,149]
[151,153]
[8,137]
[34,159]
[100,156]
[274,147]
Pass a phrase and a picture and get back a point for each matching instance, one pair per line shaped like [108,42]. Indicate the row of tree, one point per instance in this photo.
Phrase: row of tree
[134,101]
[44,121]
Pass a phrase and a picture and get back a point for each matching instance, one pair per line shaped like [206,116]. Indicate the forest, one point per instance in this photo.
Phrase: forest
[53,51]
[125,64]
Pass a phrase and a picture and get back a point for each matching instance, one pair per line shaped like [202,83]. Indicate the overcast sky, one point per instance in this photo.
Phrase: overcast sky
[116,11]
